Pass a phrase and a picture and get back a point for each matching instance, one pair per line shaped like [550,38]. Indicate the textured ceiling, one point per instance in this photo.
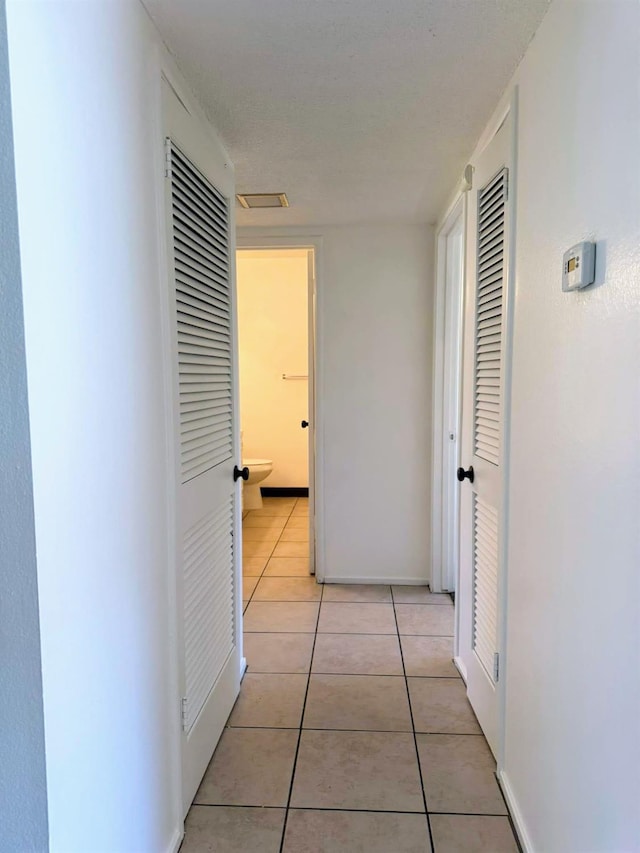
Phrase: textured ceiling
[360,110]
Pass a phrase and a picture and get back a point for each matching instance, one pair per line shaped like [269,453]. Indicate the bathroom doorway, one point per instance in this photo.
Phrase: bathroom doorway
[277,343]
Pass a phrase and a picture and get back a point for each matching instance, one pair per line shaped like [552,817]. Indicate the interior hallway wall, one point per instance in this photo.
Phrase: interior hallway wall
[272,340]
[23,789]
[573,683]
[85,85]
[375,298]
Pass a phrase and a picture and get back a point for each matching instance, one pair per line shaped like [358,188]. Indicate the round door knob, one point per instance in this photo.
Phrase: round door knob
[465,475]
[304,424]
[240,472]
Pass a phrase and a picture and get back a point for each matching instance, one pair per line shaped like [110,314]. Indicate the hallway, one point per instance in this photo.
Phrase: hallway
[352,731]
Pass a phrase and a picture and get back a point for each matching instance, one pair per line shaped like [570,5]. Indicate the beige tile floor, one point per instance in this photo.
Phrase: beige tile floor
[352,732]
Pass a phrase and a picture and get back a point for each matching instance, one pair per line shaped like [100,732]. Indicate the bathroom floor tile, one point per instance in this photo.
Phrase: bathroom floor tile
[429,656]
[248,585]
[357,702]
[287,567]
[458,772]
[312,831]
[260,534]
[297,522]
[278,652]
[425,619]
[281,617]
[250,767]
[295,534]
[357,654]
[267,522]
[257,549]
[340,617]
[291,549]
[357,770]
[356,592]
[272,701]
[441,705]
[472,834]
[270,510]
[288,589]
[211,829]
[253,566]
[419,595]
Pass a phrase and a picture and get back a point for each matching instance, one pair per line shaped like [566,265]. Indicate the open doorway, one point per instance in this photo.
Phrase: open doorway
[276,335]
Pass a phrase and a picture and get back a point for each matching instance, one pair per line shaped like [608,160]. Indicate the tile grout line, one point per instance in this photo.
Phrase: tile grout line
[339,809]
[348,674]
[304,707]
[346,633]
[261,575]
[363,731]
[413,726]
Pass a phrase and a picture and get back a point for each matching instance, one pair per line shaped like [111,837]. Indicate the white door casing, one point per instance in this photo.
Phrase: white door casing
[447,393]
[200,221]
[485,382]
[313,244]
[311,454]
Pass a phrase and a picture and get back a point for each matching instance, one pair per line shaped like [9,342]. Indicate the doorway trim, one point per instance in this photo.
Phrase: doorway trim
[446,409]
[314,244]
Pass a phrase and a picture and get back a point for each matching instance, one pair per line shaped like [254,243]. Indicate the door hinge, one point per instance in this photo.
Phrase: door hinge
[496,667]
[167,157]
[506,185]
[183,713]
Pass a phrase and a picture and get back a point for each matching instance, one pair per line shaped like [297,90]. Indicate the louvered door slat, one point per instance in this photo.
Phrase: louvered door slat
[485,582]
[208,600]
[200,237]
[489,320]
[201,192]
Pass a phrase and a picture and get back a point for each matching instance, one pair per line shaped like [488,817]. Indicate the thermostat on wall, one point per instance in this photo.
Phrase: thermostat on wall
[579,266]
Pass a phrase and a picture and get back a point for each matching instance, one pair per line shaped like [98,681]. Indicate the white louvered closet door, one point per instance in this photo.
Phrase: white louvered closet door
[203,324]
[483,430]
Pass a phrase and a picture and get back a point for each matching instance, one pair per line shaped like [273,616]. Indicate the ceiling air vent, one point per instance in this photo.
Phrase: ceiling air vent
[252,200]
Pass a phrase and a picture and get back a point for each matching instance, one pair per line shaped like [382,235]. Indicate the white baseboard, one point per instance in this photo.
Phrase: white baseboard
[243,667]
[516,814]
[395,581]
[176,840]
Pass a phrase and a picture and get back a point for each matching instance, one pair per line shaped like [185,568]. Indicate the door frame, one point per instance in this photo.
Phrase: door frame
[445,518]
[508,108]
[316,431]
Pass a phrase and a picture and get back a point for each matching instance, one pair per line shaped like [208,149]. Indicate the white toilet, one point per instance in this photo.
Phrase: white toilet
[259,470]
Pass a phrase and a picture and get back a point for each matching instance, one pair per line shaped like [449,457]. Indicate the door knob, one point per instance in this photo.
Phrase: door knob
[304,424]
[465,475]
[240,472]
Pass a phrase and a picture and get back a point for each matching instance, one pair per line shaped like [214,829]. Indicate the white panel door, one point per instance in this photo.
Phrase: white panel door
[202,320]
[483,446]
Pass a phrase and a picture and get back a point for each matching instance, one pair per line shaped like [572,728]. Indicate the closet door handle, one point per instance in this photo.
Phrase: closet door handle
[304,424]
[465,475]
[240,472]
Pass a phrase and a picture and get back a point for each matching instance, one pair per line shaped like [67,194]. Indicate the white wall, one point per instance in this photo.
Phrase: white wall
[86,82]
[23,791]
[573,683]
[375,286]
[272,340]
